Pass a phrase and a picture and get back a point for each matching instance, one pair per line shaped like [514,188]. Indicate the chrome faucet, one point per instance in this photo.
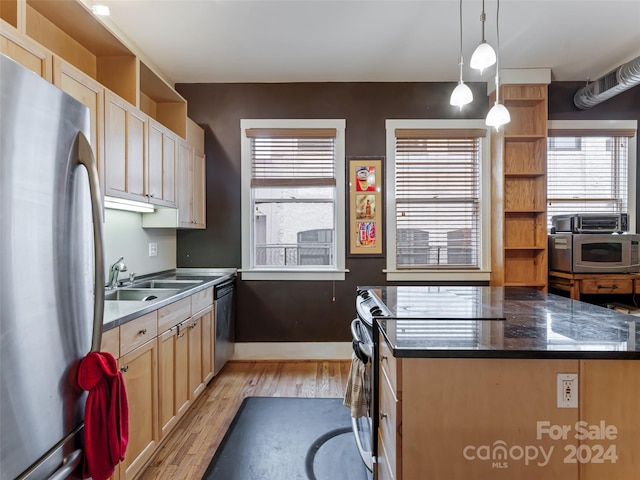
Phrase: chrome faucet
[114,271]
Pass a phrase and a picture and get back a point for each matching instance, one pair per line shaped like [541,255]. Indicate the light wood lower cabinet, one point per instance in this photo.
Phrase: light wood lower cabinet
[173,365]
[140,372]
[493,419]
[166,360]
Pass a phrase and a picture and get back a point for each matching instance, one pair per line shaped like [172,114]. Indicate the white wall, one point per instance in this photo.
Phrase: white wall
[124,236]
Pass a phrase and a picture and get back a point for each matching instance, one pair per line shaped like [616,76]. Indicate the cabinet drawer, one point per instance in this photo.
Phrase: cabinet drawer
[111,342]
[173,314]
[389,364]
[137,332]
[201,300]
[606,285]
[388,421]
[383,467]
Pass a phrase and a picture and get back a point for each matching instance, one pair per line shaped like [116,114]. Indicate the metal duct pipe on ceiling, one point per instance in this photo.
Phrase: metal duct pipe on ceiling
[622,78]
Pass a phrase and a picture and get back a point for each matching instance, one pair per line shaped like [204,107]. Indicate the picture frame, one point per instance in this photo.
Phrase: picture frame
[365,205]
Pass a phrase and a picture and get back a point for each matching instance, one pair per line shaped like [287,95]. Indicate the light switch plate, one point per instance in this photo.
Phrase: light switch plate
[153,249]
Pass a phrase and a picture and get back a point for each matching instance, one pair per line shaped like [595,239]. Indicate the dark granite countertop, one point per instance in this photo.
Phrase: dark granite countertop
[496,322]
[118,312]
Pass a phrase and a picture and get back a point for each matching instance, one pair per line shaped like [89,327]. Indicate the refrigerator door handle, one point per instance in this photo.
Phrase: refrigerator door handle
[85,158]
[68,465]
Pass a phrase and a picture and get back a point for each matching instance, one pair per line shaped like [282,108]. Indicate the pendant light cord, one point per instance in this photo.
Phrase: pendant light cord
[483,17]
[461,40]
[497,50]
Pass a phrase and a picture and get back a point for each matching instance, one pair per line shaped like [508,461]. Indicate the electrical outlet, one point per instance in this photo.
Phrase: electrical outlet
[567,390]
[153,249]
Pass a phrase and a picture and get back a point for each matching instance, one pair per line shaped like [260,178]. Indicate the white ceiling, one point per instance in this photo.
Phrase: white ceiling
[374,40]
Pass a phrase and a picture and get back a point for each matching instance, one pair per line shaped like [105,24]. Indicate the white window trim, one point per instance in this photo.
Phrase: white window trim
[312,273]
[632,153]
[484,273]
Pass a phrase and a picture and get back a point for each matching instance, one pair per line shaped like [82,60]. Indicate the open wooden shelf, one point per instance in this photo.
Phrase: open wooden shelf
[519,190]
[69,30]
[9,12]
[161,102]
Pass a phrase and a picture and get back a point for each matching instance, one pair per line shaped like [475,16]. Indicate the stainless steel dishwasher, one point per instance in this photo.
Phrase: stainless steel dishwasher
[224,296]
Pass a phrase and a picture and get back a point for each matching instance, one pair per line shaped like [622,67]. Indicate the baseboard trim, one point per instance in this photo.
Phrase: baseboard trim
[292,351]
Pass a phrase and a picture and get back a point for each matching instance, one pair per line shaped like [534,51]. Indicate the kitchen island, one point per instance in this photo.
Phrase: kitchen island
[504,383]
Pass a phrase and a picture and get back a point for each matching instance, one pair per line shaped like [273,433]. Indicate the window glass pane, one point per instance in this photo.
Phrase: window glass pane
[294,193]
[437,203]
[591,177]
[294,233]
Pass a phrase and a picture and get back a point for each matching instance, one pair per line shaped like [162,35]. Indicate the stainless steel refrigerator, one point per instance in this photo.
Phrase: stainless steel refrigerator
[51,274]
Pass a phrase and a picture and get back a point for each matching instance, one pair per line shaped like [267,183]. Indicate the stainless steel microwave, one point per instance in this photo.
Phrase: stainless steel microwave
[594,253]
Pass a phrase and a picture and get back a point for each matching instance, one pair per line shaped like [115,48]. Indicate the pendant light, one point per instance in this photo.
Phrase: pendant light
[462,94]
[483,56]
[498,115]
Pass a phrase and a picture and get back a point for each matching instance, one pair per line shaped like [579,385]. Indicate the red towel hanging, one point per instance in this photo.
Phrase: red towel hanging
[106,417]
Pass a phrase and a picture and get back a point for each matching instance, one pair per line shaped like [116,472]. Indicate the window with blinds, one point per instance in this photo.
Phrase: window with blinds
[587,171]
[437,198]
[293,197]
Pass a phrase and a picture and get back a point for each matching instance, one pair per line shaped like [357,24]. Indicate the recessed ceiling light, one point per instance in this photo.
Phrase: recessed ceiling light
[102,10]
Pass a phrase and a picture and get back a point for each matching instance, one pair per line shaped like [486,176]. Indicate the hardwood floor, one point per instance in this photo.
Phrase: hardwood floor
[188,449]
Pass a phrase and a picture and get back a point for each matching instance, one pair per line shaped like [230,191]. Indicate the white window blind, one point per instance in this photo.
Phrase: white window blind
[587,171]
[293,183]
[437,196]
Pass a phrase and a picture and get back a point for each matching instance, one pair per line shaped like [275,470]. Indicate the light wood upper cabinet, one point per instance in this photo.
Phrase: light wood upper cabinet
[140,372]
[191,203]
[90,93]
[199,189]
[162,173]
[25,51]
[125,149]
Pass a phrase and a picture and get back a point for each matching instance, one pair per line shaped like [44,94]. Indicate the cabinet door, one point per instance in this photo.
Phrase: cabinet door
[207,345]
[196,384]
[139,369]
[137,123]
[115,134]
[161,171]
[169,169]
[90,93]
[173,370]
[199,190]
[154,172]
[185,177]
[25,51]
[125,156]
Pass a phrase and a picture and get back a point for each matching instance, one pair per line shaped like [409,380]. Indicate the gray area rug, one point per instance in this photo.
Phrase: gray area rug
[288,439]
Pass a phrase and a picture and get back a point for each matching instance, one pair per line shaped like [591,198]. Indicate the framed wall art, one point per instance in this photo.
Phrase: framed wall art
[365,205]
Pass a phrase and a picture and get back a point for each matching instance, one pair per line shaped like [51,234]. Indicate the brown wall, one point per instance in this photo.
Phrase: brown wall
[298,311]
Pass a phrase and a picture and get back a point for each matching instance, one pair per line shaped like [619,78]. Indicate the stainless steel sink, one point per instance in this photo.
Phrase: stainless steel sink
[178,284]
[140,294]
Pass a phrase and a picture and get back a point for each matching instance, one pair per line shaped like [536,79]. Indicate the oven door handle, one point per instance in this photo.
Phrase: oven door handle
[367,459]
[364,348]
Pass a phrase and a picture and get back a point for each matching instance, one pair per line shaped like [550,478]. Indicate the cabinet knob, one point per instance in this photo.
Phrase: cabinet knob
[142,332]
[383,416]
[125,369]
